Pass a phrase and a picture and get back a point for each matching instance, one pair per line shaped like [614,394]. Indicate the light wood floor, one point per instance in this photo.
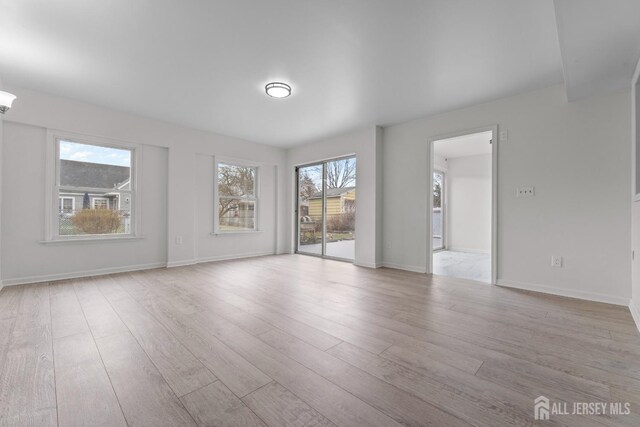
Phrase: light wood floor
[294,340]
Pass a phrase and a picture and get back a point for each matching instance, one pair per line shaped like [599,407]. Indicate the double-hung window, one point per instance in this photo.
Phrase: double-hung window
[94,187]
[237,196]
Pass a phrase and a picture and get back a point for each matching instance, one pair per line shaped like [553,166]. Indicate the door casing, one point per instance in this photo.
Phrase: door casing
[494,194]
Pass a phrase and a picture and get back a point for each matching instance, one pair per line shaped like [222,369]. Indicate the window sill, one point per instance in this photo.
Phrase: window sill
[225,233]
[89,240]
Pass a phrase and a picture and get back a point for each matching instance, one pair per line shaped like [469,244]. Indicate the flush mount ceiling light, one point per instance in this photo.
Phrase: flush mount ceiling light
[6,99]
[278,90]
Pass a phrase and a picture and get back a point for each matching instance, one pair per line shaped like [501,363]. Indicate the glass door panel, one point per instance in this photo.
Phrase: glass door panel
[340,207]
[310,209]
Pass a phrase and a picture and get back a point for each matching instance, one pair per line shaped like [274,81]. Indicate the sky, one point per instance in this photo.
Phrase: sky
[94,154]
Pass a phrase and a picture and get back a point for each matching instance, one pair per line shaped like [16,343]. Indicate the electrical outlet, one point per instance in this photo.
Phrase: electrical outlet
[504,136]
[525,192]
[178,240]
[556,261]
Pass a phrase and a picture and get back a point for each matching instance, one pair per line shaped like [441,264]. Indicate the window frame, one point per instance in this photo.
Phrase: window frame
[53,187]
[256,197]
[62,199]
[95,199]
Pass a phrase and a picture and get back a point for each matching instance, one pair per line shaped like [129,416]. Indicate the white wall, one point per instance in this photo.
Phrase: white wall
[577,157]
[575,154]
[635,206]
[177,188]
[1,161]
[440,163]
[367,146]
[468,203]
[224,246]
[635,290]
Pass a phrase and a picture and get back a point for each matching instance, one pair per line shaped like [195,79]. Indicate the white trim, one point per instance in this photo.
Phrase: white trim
[186,262]
[94,199]
[231,257]
[494,194]
[183,263]
[468,250]
[367,264]
[232,233]
[79,274]
[583,295]
[107,238]
[103,271]
[635,133]
[412,268]
[63,198]
[124,184]
[635,313]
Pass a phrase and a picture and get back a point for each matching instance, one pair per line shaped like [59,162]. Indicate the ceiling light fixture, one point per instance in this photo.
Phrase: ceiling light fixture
[278,90]
[6,99]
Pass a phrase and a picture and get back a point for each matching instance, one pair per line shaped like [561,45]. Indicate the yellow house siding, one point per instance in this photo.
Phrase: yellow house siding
[315,207]
[334,204]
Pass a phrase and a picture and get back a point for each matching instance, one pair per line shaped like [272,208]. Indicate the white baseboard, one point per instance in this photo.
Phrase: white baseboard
[230,257]
[470,251]
[78,274]
[589,296]
[411,268]
[183,263]
[103,271]
[635,313]
[368,264]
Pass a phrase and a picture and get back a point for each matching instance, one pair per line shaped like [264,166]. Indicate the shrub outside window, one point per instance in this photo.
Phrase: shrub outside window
[95,189]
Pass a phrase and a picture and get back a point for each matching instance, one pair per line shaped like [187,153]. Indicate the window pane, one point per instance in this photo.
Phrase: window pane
[101,213]
[340,208]
[310,208]
[236,181]
[236,214]
[83,165]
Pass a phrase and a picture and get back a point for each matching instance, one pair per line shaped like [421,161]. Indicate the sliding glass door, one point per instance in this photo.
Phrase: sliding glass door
[326,208]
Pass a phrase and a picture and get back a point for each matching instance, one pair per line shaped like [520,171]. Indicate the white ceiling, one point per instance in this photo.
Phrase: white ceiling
[600,44]
[474,144]
[356,63]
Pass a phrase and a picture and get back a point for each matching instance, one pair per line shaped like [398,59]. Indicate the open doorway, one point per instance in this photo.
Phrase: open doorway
[463,206]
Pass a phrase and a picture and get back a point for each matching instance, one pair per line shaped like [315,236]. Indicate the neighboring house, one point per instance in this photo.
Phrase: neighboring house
[339,200]
[239,213]
[115,180]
